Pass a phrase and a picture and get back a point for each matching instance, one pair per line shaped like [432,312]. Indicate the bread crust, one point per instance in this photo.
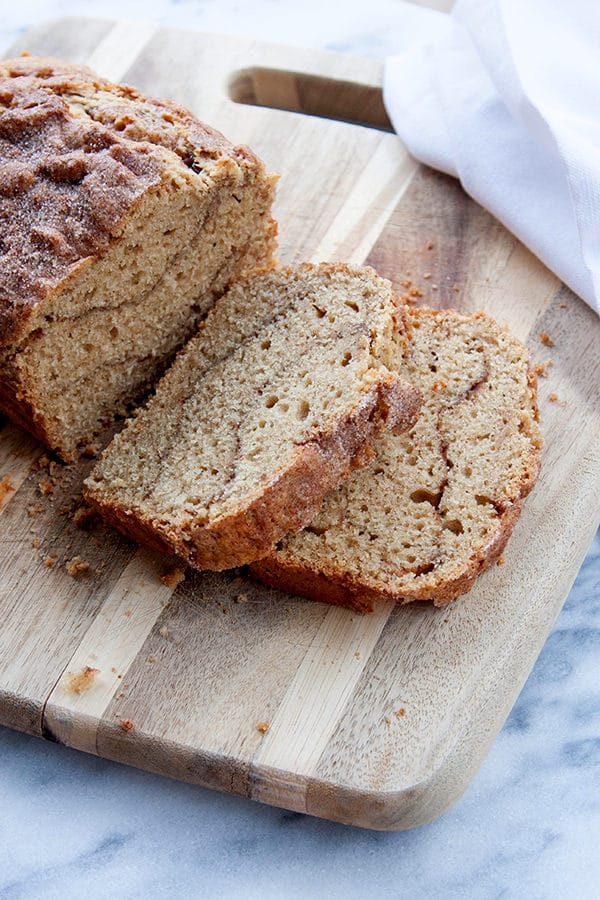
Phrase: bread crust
[290,501]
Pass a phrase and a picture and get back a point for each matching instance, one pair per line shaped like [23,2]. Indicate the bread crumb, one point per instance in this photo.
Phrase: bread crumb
[85,517]
[126,724]
[434,287]
[35,543]
[546,339]
[427,276]
[54,468]
[77,566]
[80,682]
[163,631]
[263,727]
[541,369]
[42,462]
[173,576]
[456,288]
[34,511]
[562,305]
[430,245]
[388,720]
[49,562]
[151,659]
[500,561]
[401,712]
[127,613]
[240,598]
[45,486]
[552,398]
[6,487]
[90,451]
[415,292]
[357,654]
[112,669]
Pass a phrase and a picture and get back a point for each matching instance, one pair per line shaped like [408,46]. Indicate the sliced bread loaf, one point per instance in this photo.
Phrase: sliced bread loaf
[122,218]
[261,415]
[436,505]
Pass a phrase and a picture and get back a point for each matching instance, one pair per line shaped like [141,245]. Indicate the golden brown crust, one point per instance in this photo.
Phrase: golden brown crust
[289,502]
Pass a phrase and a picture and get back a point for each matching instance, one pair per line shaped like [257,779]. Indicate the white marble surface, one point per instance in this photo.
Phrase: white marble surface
[73,826]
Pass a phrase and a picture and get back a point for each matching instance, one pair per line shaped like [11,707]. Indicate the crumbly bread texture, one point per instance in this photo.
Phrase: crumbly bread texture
[122,218]
[436,505]
[261,415]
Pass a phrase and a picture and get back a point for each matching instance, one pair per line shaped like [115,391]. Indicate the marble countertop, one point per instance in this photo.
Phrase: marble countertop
[76,826]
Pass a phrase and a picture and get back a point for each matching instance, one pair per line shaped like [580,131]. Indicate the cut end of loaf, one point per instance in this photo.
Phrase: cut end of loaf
[266,410]
[126,218]
[436,505]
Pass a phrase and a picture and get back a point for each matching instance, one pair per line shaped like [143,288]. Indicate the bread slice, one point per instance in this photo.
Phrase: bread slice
[262,414]
[122,219]
[436,505]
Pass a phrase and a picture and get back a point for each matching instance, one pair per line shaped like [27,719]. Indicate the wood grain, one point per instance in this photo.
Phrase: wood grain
[186,673]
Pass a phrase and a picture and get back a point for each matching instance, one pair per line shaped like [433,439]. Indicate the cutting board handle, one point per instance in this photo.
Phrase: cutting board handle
[311,94]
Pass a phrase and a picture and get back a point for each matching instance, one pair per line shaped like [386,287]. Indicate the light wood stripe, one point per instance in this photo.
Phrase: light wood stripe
[117,52]
[17,453]
[319,691]
[365,211]
[110,645]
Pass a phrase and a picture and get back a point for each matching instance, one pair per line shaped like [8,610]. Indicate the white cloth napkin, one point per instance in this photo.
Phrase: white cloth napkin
[505,95]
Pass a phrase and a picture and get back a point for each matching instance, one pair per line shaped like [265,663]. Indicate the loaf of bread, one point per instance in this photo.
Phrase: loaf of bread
[436,505]
[122,219]
[261,415]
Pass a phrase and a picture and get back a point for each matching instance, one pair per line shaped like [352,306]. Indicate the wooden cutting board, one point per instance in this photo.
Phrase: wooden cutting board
[185,674]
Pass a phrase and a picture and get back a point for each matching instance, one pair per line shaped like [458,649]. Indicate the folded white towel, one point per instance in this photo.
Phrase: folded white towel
[505,95]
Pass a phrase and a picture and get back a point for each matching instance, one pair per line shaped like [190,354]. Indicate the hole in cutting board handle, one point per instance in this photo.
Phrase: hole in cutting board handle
[314,95]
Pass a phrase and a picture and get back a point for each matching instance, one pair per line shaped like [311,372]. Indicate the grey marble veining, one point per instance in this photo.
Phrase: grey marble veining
[527,827]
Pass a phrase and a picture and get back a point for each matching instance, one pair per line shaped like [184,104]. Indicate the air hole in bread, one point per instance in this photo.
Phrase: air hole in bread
[423,496]
[453,525]
[303,409]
